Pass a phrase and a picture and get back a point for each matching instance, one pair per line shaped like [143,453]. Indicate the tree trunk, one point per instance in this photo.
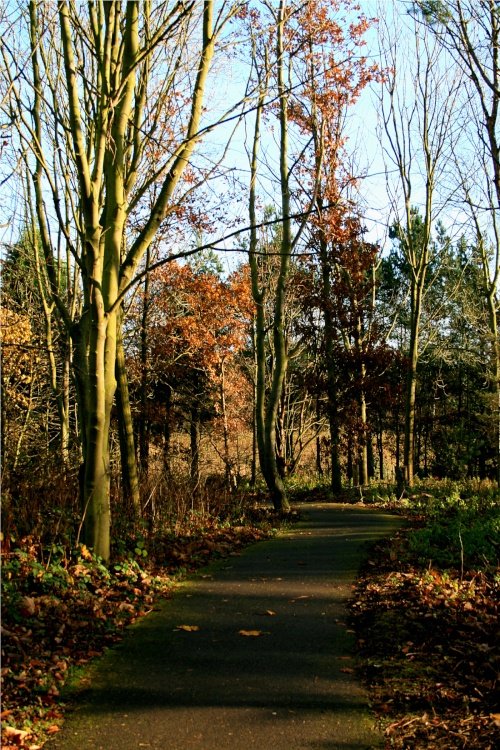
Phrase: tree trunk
[411,382]
[364,475]
[65,398]
[266,421]
[331,370]
[397,435]
[101,388]
[228,470]
[194,433]
[167,431]
[495,377]
[370,459]
[380,450]
[281,436]
[253,474]
[319,467]
[130,479]
[350,462]
[143,426]
[266,413]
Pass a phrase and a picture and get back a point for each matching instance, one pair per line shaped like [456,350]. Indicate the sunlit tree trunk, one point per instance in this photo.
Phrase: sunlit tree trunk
[267,403]
[411,382]
[253,477]
[102,102]
[363,439]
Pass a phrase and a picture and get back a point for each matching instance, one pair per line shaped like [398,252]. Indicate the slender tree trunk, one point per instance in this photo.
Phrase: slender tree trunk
[370,458]
[272,475]
[266,409]
[397,435]
[380,449]
[331,370]
[225,430]
[364,478]
[495,377]
[143,422]
[350,460]
[130,479]
[266,420]
[3,426]
[101,387]
[281,436]
[194,433]
[167,431]
[59,389]
[319,467]
[24,428]
[363,462]
[355,471]
[411,383]
[253,474]
[66,403]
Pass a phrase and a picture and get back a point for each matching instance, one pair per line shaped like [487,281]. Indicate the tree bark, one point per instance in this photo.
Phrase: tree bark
[130,478]
[228,469]
[194,433]
[143,426]
[331,371]
[267,408]
[411,381]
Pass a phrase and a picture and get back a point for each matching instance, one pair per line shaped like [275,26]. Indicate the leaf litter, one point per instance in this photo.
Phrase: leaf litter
[57,618]
[428,643]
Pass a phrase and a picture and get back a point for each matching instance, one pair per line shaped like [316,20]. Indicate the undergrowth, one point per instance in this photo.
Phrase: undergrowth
[426,613]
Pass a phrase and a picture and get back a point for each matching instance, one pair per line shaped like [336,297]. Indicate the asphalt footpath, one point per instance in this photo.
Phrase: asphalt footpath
[251,653]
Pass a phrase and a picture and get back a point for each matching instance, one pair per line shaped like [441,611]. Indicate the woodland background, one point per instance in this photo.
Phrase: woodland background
[353,333]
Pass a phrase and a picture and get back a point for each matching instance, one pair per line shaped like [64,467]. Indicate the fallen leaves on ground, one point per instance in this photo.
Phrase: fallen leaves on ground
[56,618]
[429,644]
[59,626]
[193,548]
[251,633]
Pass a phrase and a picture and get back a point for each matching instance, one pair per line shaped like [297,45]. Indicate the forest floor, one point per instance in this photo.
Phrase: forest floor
[427,635]
[62,611]
[428,647]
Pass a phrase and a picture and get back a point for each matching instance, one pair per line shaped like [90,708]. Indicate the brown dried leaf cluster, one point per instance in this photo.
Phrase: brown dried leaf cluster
[429,643]
[44,633]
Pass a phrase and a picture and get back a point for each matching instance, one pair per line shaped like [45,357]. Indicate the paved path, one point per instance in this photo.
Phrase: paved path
[214,689]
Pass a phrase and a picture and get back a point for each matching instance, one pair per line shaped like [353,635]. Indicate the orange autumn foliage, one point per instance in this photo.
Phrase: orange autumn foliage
[198,320]
[19,356]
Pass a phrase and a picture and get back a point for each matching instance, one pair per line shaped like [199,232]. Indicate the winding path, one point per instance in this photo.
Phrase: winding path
[290,688]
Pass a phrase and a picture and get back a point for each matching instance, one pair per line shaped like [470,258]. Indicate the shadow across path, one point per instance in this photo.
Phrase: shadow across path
[290,688]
